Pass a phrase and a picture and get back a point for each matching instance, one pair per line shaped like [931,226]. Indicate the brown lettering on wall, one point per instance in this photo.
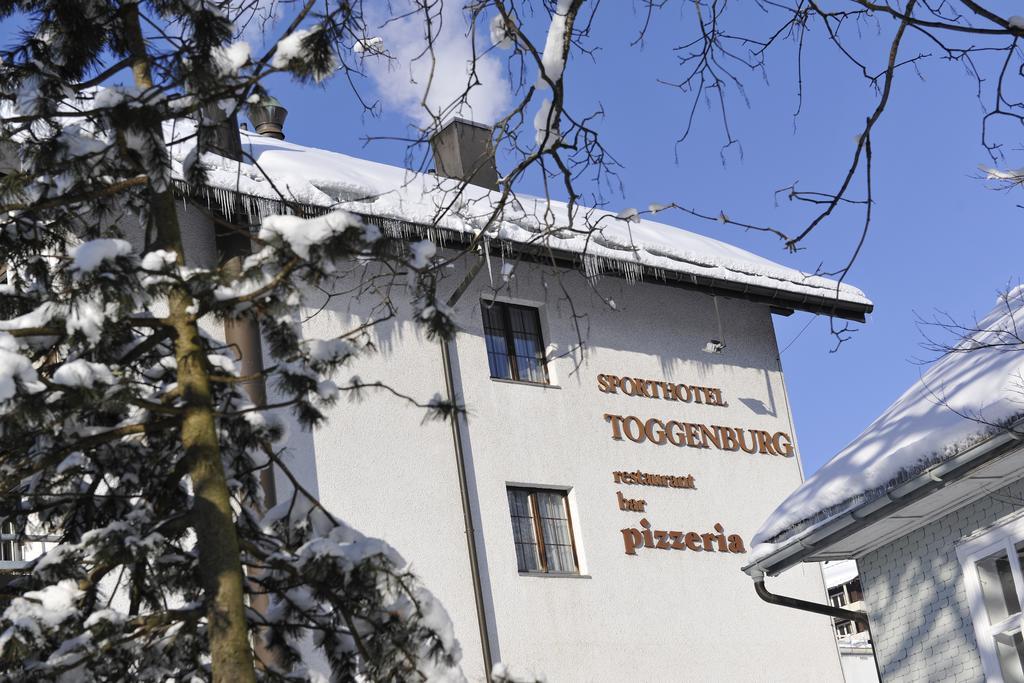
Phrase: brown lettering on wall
[630,504]
[639,478]
[695,435]
[660,390]
[681,434]
[645,536]
[662,432]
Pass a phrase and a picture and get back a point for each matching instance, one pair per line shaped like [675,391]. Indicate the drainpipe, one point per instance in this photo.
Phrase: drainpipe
[243,334]
[806,605]
[817,608]
[463,150]
[460,463]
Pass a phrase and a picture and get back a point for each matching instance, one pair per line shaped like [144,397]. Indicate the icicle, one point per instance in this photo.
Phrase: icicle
[592,266]
[487,258]
[718,316]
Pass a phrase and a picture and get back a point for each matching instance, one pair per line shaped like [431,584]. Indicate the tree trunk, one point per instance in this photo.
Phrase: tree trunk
[220,564]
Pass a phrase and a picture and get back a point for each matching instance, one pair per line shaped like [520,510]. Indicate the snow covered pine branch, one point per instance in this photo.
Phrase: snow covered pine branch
[127,435]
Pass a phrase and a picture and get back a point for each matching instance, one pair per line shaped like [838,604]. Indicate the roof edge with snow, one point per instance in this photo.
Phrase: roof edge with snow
[814,535]
[784,300]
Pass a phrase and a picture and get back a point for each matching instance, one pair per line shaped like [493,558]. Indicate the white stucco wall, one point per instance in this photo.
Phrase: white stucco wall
[858,665]
[658,615]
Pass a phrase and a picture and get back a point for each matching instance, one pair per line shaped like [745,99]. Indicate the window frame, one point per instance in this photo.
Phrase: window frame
[510,347]
[17,546]
[1003,536]
[538,530]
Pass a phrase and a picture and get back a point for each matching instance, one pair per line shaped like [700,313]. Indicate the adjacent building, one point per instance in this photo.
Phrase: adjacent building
[929,500]
[855,652]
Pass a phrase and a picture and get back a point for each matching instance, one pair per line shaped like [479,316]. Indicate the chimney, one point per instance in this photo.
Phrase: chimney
[226,140]
[463,151]
[268,117]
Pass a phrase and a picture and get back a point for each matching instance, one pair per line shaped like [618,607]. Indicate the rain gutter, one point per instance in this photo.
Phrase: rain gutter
[782,301]
[867,513]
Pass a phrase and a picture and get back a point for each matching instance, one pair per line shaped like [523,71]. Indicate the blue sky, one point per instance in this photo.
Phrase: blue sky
[942,239]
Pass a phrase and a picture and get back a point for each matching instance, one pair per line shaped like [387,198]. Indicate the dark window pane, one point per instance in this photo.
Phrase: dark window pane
[515,348]
[496,339]
[997,587]
[497,358]
[1010,651]
[555,527]
[527,555]
[10,546]
[545,511]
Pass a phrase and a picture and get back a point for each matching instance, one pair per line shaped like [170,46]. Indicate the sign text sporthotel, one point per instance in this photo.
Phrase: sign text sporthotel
[685,434]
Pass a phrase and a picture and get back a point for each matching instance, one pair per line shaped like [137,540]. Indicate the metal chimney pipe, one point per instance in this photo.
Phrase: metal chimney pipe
[268,117]
[464,150]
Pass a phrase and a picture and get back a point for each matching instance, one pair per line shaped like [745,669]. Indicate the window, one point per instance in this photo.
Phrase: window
[515,349]
[837,596]
[854,590]
[542,530]
[995,587]
[10,544]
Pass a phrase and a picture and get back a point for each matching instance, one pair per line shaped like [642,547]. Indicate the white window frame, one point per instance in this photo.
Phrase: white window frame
[1001,537]
[17,545]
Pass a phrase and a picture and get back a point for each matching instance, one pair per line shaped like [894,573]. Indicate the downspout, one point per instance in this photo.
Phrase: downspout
[806,605]
[464,151]
[243,334]
[817,608]
[460,463]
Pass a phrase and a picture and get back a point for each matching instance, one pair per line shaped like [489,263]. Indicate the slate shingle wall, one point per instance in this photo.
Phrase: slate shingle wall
[914,591]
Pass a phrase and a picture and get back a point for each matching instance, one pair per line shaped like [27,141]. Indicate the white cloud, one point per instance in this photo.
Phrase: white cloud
[256,20]
[403,80]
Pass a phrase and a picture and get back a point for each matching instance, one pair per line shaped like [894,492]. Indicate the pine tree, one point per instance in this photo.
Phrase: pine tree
[125,432]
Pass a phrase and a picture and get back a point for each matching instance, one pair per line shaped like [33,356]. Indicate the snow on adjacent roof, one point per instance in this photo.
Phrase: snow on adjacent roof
[838,572]
[967,396]
[327,179]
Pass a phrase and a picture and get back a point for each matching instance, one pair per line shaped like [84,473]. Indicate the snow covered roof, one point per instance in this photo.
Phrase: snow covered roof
[970,395]
[839,572]
[599,240]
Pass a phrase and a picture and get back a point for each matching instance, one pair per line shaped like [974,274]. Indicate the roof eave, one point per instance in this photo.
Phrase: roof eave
[899,497]
[781,300]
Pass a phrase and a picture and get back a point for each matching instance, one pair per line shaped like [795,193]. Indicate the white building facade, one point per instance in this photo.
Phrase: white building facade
[615,465]
[608,606]
[626,430]
[855,652]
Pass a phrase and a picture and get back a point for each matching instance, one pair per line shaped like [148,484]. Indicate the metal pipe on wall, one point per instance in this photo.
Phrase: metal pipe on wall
[243,334]
[816,608]
[807,605]
[460,463]
[467,512]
